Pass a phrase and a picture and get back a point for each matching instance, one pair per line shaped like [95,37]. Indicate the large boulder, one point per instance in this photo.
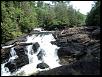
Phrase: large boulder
[64,51]
[42,65]
[20,50]
[11,66]
[35,47]
[72,49]
[22,56]
[17,63]
[21,61]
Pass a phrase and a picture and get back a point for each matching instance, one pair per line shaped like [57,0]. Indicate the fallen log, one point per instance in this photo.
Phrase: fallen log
[17,44]
[7,46]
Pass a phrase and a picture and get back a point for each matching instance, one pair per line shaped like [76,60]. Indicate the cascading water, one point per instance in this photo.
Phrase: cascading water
[4,70]
[46,53]
[13,53]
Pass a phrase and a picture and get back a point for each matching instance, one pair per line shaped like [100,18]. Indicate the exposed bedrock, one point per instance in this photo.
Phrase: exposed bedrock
[78,43]
[83,67]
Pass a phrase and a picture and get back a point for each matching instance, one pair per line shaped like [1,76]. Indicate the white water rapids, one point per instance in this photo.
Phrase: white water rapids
[49,56]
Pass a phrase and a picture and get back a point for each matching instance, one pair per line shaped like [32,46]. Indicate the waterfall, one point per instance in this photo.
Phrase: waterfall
[4,70]
[45,53]
[13,53]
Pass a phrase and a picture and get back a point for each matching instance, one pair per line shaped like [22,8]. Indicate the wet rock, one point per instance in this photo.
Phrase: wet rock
[21,61]
[20,50]
[22,57]
[42,65]
[35,46]
[5,55]
[11,66]
[53,42]
[40,55]
[17,63]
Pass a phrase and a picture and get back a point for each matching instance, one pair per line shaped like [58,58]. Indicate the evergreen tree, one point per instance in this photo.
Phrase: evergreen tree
[19,17]
[93,17]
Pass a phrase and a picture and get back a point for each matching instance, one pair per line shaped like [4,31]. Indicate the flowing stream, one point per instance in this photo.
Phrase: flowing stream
[48,55]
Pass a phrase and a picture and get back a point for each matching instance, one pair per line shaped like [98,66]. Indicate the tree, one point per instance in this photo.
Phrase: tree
[28,18]
[93,17]
[20,17]
[8,24]
[17,18]
[80,19]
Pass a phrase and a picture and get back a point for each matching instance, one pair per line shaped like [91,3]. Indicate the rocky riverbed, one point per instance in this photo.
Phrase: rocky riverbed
[79,52]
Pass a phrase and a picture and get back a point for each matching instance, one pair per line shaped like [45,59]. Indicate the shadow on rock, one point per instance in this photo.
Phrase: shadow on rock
[83,67]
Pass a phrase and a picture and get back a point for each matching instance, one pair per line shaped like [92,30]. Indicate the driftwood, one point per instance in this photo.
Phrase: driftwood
[17,44]
[40,32]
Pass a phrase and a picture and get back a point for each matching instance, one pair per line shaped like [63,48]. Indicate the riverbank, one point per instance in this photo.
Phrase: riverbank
[79,51]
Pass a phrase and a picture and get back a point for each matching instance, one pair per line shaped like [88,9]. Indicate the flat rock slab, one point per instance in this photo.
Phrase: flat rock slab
[77,68]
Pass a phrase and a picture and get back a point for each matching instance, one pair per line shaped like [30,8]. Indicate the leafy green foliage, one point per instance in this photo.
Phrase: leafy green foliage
[93,18]
[19,17]
[58,15]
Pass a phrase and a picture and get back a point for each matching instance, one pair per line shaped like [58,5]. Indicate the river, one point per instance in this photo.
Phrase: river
[48,55]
